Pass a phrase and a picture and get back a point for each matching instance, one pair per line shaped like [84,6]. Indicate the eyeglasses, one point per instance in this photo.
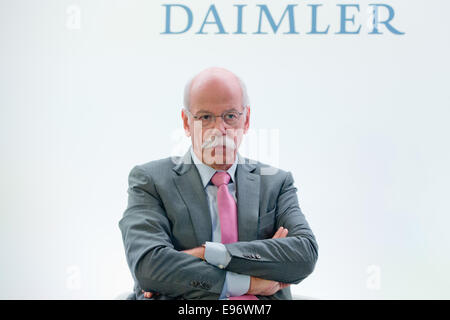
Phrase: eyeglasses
[208,119]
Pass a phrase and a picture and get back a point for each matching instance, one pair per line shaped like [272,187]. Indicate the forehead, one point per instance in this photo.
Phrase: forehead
[215,94]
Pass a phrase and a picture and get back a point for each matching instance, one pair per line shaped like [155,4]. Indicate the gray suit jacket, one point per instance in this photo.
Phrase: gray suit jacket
[168,212]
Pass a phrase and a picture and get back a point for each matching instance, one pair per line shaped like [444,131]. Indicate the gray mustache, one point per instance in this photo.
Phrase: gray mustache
[219,141]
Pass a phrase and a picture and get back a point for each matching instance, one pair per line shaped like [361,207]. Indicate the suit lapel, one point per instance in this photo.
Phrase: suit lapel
[190,187]
[247,193]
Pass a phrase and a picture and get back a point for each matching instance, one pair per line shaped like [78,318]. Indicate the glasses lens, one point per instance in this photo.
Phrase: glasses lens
[231,117]
[206,119]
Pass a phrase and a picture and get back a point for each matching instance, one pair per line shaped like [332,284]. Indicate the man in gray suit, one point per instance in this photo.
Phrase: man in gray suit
[212,224]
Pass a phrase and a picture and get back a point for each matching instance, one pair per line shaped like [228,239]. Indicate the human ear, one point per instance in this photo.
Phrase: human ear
[186,126]
[247,119]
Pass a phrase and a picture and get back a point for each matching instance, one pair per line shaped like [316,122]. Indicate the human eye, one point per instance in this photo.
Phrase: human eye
[231,116]
[205,117]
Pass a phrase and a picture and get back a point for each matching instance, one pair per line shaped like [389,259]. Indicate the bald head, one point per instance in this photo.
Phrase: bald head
[215,86]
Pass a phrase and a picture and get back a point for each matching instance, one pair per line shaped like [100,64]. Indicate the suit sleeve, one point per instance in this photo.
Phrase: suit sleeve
[154,263]
[288,260]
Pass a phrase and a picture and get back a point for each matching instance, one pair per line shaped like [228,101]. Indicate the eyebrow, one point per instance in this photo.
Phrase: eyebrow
[205,111]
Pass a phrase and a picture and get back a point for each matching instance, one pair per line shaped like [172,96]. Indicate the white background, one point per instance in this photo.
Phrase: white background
[362,123]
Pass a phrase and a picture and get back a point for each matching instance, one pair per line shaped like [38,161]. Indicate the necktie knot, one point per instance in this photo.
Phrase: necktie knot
[220,178]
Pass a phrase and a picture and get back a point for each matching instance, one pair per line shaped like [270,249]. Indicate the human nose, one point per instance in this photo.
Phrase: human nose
[219,124]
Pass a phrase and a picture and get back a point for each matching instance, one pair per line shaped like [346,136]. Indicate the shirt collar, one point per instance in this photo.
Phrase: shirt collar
[206,172]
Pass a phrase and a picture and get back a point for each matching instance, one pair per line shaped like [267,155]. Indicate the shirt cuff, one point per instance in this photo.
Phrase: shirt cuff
[217,254]
[235,285]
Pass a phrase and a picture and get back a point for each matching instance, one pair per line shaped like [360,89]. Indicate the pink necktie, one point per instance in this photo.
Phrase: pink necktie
[227,216]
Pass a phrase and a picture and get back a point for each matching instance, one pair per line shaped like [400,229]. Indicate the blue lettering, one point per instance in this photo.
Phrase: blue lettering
[289,8]
[168,15]
[314,21]
[216,21]
[239,19]
[344,19]
[376,22]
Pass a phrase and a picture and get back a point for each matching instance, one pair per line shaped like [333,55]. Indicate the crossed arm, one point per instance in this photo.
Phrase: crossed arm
[258,286]
[158,267]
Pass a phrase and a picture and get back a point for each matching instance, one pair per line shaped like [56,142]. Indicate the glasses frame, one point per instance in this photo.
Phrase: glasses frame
[214,117]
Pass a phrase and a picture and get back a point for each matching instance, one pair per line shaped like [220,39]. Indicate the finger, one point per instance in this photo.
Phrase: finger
[278,233]
[277,287]
[282,233]
[284,285]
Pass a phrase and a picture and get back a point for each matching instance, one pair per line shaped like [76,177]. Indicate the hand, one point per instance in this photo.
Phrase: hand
[148,294]
[281,233]
[198,252]
[264,287]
